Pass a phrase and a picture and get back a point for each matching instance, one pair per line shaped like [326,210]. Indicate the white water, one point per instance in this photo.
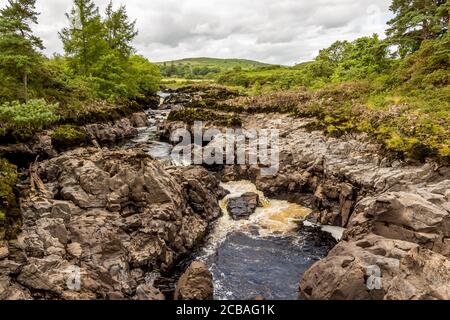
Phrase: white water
[275,218]
[264,255]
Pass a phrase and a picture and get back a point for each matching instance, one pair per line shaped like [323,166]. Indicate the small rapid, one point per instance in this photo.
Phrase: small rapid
[264,255]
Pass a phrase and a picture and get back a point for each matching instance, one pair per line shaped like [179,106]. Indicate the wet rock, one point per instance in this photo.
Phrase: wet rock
[120,129]
[116,214]
[139,120]
[243,206]
[195,284]
[403,206]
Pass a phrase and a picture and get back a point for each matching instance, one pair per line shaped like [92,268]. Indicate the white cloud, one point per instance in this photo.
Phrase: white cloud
[282,31]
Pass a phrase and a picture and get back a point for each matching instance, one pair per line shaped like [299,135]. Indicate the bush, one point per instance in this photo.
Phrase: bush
[68,136]
[8,178]
[23,120]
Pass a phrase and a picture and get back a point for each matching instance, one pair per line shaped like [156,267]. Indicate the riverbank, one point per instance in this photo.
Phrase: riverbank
[396,213]
[132,221]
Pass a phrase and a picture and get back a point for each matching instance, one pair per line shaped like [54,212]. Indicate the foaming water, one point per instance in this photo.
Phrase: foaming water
[264,255]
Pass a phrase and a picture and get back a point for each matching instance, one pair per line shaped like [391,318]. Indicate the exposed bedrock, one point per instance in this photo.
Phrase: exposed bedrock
[397,214]
[244,206]
[104,221]
[195,284]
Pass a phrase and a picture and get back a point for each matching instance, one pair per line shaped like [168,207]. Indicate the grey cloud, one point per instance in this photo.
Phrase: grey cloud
[282,31]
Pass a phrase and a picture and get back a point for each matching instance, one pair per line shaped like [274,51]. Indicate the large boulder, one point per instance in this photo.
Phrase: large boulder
[107,221]
[405,216]
[244,206]
[195,284]
[378,268]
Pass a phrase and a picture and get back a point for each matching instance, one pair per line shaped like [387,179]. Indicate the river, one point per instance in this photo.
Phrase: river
[265,255]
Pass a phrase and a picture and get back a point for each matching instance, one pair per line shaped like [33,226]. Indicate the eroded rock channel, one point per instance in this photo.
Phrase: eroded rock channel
[129,219]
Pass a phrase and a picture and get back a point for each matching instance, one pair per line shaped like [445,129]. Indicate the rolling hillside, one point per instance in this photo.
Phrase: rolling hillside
[204,68]
[216,62]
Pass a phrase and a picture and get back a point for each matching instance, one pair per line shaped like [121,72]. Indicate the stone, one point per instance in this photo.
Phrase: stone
[404,216]
[424,275]
[195,284]
[344,273]
[4,251]
[147,292]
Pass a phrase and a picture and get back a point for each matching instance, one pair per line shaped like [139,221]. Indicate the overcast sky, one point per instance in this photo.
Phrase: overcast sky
[273,31]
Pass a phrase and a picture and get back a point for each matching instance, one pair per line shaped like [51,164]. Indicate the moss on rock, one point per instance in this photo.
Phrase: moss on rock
[189,116]
[68,136]
[8,201]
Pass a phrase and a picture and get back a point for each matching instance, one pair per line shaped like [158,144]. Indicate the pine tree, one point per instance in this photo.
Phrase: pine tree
[416,21]
[120,31]
[84,38]
[18,44]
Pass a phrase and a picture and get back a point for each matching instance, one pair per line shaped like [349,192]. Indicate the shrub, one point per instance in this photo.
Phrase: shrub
[8,179]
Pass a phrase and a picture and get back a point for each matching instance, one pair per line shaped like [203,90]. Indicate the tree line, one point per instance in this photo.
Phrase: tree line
[99,60]
[418,32]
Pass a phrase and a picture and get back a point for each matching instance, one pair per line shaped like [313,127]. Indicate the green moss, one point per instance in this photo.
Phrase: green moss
[68,136]
[2,218]
[8,203]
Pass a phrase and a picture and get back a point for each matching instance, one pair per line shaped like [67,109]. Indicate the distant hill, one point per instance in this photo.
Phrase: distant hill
[222,64]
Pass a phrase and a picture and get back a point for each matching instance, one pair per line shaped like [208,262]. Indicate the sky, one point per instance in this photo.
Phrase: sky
[272,31]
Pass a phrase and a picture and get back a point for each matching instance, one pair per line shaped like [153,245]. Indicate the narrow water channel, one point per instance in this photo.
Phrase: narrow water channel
[265,255]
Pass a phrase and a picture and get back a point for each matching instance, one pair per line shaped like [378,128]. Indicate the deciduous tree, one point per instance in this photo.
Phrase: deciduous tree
[18,44]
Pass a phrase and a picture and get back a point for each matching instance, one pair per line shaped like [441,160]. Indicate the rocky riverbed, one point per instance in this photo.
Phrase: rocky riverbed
[396,215]
[124,219]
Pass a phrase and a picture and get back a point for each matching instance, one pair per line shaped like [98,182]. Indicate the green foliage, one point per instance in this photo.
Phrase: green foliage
[68,136]
[99,54]
[2,219]
[417,21]
[205,68]
[145,76]
[428,67]
[23,120]
[8,178]
[362,59]
[120,32]
[342,61]
[18,45]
